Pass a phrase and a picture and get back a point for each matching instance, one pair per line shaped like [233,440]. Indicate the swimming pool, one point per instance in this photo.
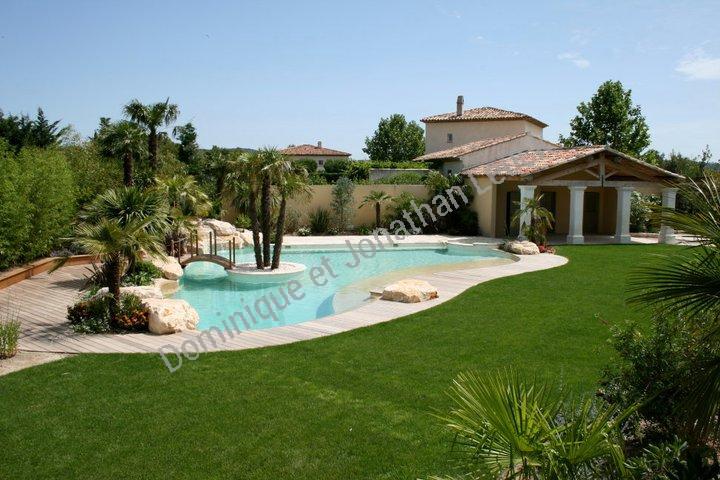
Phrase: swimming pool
[337,278]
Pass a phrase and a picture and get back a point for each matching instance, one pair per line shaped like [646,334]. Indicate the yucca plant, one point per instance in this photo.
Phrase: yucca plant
[509,428]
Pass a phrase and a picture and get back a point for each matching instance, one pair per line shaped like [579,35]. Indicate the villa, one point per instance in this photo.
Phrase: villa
[588,189]
[318,153]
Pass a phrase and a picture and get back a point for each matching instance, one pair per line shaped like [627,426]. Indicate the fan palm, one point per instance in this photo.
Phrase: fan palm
[128,204]
[187,201]
[689,282]
[541,219]
[268,158]
[244,180]
[376,198]
[116,244]
[152,116]
[508,428]
[126,140]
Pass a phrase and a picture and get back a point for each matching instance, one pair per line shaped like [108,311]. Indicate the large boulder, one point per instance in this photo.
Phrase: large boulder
[221,228]
[149,291]
[169,266]
[409,291]
[170,316]
[523,247]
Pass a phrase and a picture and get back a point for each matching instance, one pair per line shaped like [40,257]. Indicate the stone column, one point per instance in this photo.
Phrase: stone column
[527,192]
[622,219]
[577,201]
[667,234]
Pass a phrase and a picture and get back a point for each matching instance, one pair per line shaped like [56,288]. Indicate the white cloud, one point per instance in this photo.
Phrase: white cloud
[578,60]
[698,65]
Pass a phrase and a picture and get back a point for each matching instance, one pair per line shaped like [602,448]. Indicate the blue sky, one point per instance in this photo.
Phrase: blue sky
[273,73]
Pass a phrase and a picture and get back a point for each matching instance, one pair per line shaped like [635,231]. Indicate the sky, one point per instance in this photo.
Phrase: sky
[252,74]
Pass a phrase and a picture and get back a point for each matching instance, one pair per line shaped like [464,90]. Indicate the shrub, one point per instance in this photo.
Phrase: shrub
[303,231]
[365,230]
[93,315]
[336,166]
[9,333]
[401,165]
[342,203]
[309,165]
[317,178]
[319,221]
[358,171]
[37,203]
[405,178]
[403,203]
[641,211]
[243,221]
[143,273]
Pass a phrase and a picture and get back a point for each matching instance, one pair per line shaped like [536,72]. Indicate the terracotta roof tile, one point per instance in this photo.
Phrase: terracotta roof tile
[464,149]
[482,113]
[535,161]
[313,150]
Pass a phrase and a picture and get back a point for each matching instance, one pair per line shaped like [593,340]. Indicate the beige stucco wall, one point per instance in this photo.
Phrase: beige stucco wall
[484,204]
[470,131]
[322,198]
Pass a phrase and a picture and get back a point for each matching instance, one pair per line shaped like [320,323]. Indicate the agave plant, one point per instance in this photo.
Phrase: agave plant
[508,428]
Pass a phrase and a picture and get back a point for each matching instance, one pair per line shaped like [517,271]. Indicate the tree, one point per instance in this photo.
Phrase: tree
[152,116]
[244,179]
[342,202]
[395,140]
[20,131]
[289,181]
[610,118]
[126,140]
[376,198]
[187,136]
[45,133]
[187,201]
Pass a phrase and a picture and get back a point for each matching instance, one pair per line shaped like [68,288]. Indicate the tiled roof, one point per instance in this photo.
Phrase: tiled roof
[482,113]
[457,152]
[535,161]
[313,150]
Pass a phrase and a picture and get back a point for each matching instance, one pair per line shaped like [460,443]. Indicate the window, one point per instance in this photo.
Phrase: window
[449,138]
[320,162]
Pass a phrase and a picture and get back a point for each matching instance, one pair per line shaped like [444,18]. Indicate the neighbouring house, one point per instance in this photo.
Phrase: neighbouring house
[318,153]
[503,155]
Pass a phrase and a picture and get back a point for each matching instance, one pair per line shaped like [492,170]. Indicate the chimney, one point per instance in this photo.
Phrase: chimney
[319,144]
[460,102]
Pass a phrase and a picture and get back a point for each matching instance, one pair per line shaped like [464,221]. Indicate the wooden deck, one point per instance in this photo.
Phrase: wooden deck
[41,303]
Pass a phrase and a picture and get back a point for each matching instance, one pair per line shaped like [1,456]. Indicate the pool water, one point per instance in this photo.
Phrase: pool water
[336,279]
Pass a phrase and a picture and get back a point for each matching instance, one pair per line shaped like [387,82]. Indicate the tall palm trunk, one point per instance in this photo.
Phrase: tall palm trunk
[255,228]
[128,169]
[377,214]
[279,233]
[265,205]
[114,278]
[153,149]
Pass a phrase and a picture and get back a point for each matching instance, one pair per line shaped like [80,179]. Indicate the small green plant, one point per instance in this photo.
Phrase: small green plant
[143,273]
[319,221]
[303,232]
[243,221]
[541,220]
[9,332]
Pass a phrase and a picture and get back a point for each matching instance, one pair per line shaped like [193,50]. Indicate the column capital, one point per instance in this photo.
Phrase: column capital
[625,188]
[669,190]
[577,188]
[530,188]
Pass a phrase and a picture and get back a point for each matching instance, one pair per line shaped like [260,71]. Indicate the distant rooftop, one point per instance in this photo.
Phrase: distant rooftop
[482,114]
[313,150]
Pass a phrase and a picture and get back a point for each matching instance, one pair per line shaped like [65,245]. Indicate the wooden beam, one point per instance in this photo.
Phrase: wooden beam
[589,163]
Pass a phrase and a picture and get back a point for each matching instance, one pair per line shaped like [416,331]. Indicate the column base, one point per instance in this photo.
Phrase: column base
[623,239]
[575,239]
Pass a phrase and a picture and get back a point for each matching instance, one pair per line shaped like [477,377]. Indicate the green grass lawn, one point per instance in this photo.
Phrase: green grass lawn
[355,405]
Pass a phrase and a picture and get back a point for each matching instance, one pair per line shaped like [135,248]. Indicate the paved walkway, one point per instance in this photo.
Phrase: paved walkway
[41,303]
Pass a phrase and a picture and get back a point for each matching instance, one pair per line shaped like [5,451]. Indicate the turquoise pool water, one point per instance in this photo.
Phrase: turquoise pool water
[344,284]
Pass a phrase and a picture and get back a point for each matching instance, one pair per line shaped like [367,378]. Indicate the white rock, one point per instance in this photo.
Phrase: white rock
[169,266]
[170,315]
[167,287]
[149,291]
[521,247]
[409,291]
[220,227]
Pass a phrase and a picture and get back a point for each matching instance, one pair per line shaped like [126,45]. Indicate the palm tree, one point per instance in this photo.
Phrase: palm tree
[244,181]
[152,116]
[126,140]
[267,157]
[509,428]
[289,182]
[541,219]
[688,283]
[116,244]
[377,198]
[187,201]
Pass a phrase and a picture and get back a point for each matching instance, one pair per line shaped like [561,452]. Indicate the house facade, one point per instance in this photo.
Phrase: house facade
[503,155]
[317,153]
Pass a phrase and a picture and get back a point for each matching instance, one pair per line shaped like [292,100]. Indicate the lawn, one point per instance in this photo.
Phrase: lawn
[355,405]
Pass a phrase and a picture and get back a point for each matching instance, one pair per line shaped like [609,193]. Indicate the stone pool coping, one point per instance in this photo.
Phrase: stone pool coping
[42,301]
